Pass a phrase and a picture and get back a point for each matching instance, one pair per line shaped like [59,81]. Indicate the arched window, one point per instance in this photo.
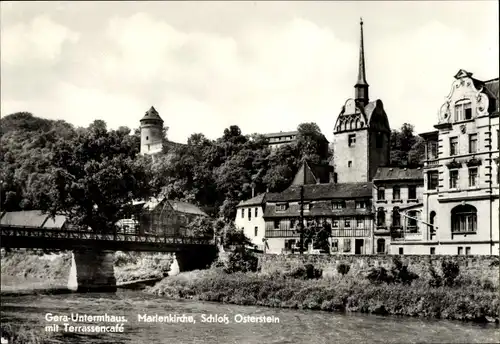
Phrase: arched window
[396,217]
[380,217]
[381,246]
[432,220]
[358,123]
[463,110]
[463,219]
[352,124]
[412,221]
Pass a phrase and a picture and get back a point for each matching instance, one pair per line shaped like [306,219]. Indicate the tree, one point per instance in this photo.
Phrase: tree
[406,147]
[201,226]
[319,233]
[94,178]
[312,144]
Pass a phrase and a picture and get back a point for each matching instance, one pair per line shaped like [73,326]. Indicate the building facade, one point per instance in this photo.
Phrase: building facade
[282,138]
[250,219]
[397,199]
[461,172]
[151,132]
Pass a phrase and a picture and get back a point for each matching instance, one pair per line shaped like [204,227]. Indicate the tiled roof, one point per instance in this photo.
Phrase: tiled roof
[398,173]
[257,200]
[151,114]
[492,86]
[32,218]
[323,191]
[282,133]
[186,208]
[321,208]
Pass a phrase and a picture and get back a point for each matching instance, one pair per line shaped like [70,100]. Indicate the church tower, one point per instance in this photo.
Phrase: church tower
[151,132]
[361,134]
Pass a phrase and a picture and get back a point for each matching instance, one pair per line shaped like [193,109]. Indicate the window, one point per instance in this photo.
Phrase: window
[242,213]
[467,250]
[460,250]
[412,192]
[256,212]
[292,223]
[432,150]
[335,223]
[473,143]
[381,194]
[338,205]
[281,207]
[335,245]
[359,222]
[379,140]
[335,177]
[276,224]
[396,193]
[347,245]
[433,250]
[352,140]
[453,146]
[453,179]
[381,246]
[432,180]
[401,250]
[463,219]
[380,217]
[249,214]
[149,147]
[412,222]
[347,222]
[256,230]
[463,110]
[473,176]
[432,220]
[147,138]
[396,217]
[306,206]
[360,204]
[349,163]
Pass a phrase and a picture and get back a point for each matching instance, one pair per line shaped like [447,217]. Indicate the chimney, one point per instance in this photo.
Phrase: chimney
[253,191]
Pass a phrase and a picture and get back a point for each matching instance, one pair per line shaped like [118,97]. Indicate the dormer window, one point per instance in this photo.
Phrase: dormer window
[463,110]
[338,205]
[281,207]
[361,204]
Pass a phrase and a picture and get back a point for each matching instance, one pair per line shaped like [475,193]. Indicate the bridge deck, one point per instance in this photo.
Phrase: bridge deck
[32,237]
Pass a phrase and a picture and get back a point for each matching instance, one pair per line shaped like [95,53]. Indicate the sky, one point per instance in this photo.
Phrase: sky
[264,66]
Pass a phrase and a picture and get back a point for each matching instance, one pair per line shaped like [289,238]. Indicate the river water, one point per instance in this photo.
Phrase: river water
[295,326]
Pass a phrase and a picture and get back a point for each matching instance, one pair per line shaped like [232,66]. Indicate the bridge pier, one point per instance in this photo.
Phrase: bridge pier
[189,260]
[92,271]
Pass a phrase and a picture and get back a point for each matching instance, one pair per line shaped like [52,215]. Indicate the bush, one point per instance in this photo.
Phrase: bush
[451,270]
[379,275]
[241,261]
[306,272]
[343,268]
[400,272]
[435,280]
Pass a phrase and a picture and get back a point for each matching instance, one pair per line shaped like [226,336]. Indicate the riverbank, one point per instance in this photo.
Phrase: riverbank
[344,294]
[33,270]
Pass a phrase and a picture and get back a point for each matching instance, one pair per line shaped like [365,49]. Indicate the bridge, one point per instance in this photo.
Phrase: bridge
[93,253]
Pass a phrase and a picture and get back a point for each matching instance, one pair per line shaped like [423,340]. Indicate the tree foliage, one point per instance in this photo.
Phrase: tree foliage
[407,149]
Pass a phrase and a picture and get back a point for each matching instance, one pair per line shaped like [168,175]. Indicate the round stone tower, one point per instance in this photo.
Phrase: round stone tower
[151,132]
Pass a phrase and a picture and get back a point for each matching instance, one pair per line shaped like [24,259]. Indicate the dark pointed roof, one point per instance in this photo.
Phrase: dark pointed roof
[361,66]
[152,114]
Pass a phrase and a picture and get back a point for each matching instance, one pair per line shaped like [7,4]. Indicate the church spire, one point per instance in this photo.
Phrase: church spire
[361,87]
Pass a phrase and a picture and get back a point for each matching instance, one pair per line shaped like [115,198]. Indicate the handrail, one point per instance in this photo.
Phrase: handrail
[93,236]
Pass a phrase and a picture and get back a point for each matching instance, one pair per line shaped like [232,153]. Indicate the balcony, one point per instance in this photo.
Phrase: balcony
[411,233]
[431,163]
[382,230]
[278,233]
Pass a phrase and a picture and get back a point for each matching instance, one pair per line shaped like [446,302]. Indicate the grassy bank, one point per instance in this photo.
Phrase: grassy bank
[470,302]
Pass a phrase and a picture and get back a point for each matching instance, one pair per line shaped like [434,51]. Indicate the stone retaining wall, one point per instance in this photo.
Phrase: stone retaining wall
[478,266]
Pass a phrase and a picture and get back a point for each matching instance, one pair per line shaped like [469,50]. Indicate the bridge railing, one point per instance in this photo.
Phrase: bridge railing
[25,231]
